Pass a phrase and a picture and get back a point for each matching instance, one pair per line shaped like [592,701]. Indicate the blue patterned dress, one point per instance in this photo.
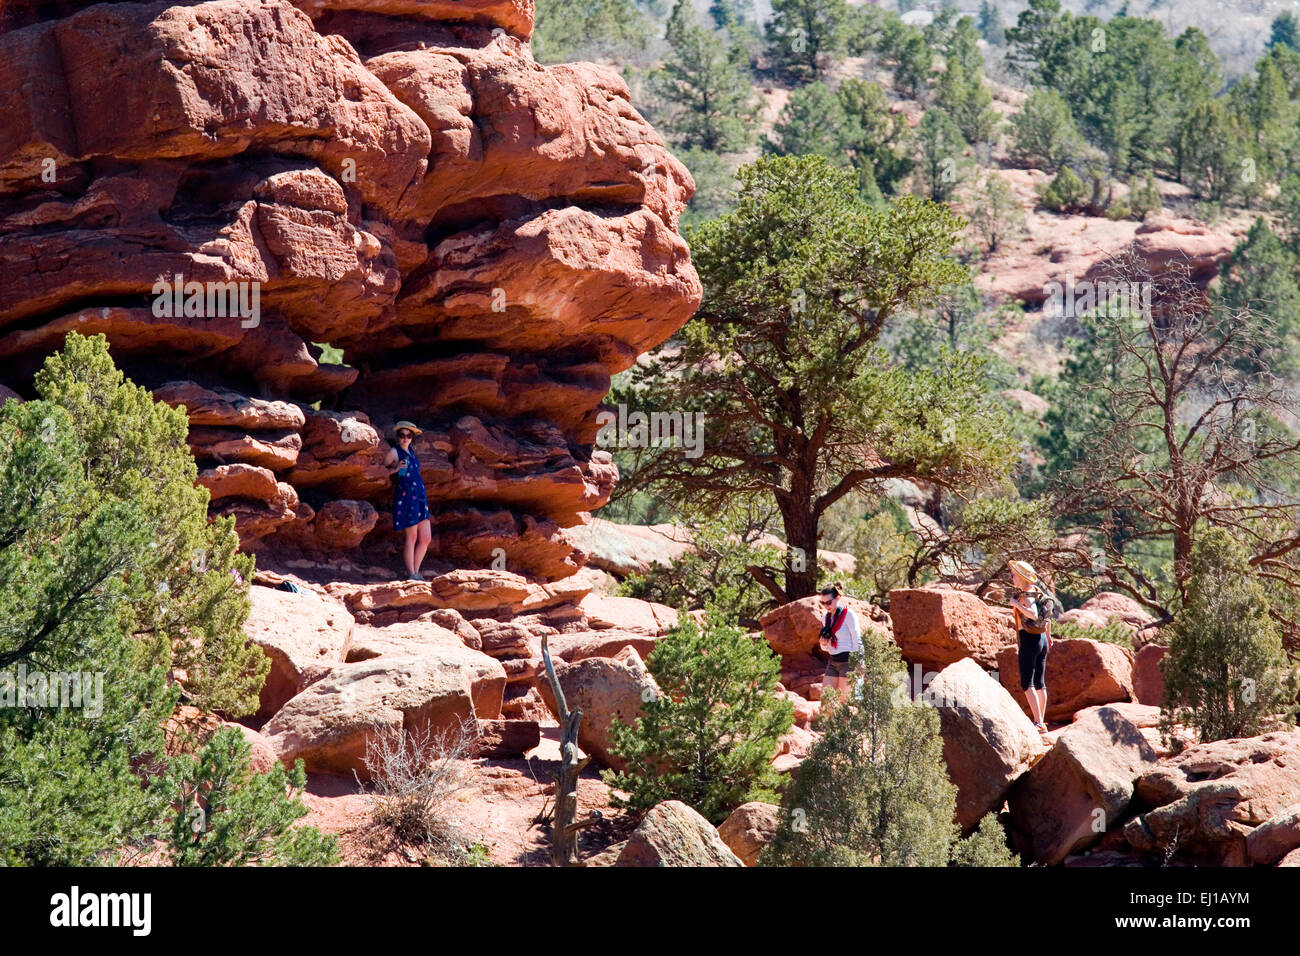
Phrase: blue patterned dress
[410,500]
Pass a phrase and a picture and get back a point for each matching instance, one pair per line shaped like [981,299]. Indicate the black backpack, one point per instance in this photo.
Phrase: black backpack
[1048,610]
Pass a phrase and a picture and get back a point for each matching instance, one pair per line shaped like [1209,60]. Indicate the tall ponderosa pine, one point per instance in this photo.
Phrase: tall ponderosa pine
[941,163]
[805,37]
[961,89]
[990,24]
[707,79]
[802,404]
[1212,147]
[915,61]
[1196,79]
[875,136]
[709,736]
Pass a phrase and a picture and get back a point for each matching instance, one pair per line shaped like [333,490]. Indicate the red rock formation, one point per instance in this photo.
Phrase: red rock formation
[937,626]
[486,239]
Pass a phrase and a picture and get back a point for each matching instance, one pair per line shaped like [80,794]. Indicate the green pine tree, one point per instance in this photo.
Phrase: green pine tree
[1066,191]
[990,24]
[961,89]
[84,551]
[941,162]
[1212,149]
[228,816]
[874,136]
[874,790]
[1259,280]
[1285,31]
[915,61]
[812,123]
[1226,674]
[69,795]
[806,37]
[708,82]
[1144,198]
[568,30]
[709,737]
[189,594]
[1044,132]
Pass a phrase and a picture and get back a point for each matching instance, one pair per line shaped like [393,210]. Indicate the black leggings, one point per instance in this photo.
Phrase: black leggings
[1033,660]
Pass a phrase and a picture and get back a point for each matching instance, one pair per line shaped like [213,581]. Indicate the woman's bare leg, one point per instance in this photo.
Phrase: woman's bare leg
[422,540]
[1035,708]
[409,549]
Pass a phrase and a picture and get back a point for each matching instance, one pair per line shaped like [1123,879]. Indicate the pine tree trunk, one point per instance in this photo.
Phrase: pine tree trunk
[801,557]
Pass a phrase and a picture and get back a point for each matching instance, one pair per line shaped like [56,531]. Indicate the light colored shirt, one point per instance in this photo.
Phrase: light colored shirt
[848,635]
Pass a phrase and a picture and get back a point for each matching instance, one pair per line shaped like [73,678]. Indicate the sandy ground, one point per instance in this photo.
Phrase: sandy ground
[500,810]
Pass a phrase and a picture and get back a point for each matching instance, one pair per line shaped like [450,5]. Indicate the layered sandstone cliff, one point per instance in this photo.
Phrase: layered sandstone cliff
[486,239]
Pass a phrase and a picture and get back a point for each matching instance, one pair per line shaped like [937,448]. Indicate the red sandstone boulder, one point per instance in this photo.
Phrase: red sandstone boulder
[939,626]
[1209,798]
[672,834]
[623,550]
[796,742]
[276,450]
[1148,679]
[224,407]
[607,643]
[1080,673]
[805,711]
[750,828]
[329,723]
[1275,837]
[628,614]
[487,677]
[304,635]
[1082,786]
[792,629]
[261,757]
[604,690]
[343,525]
[987,740]
[1147,718]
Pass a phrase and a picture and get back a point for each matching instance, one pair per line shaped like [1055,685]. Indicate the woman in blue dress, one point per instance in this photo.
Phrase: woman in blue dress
[410,500]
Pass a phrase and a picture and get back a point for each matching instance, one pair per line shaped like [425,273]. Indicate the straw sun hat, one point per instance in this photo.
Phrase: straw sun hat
[410,426]
[1024,571]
